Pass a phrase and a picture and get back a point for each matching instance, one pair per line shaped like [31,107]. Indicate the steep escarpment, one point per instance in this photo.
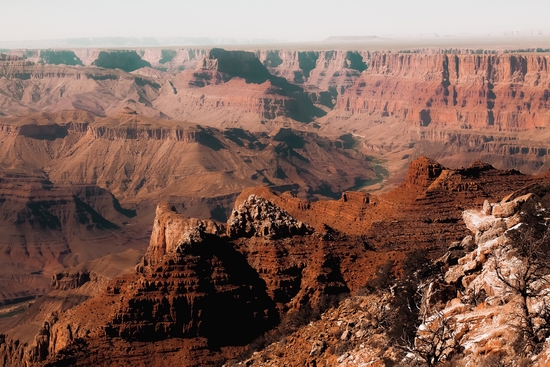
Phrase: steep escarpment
[151,157]
[238,84]
[504,92]
[52,57]
[453,107]
[324,74]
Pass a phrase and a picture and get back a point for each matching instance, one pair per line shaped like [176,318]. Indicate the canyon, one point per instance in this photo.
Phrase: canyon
[454,105]
[208,206]
[76,187]
[204,290]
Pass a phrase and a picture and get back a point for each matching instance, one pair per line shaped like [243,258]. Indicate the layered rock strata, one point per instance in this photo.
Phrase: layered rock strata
[453,107]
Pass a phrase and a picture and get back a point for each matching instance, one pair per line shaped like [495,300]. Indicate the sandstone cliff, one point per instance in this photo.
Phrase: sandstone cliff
[454,107]
[324,74]
[505,92]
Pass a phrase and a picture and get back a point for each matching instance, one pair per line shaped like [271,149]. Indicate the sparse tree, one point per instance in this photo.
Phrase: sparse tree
[529,281]
[436,341]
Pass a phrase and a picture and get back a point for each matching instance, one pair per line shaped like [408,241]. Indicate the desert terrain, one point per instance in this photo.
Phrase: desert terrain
[202,206]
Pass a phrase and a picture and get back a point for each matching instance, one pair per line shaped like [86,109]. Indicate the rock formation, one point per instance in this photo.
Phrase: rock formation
[484,302]
[324,74]
[47,227]
[59,172]
[259,217]
[204,291]
[458,107]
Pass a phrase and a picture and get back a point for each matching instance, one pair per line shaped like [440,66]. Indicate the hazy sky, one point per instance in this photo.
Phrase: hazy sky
[290,20]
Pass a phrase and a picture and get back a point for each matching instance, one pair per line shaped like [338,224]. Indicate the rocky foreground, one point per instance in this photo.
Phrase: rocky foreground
[364,280]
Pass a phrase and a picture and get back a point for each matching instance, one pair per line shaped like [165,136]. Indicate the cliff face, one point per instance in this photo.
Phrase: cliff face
[217,87]
[453,107]
[198,289]
[322,69]
[150,157]
[497,92]
[323,74]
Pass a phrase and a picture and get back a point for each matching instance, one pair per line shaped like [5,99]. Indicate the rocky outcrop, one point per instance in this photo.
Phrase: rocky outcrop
[493,315]
[472,311]
[172,230]
[422,172]
[257,216]
[204,287]
[198,285]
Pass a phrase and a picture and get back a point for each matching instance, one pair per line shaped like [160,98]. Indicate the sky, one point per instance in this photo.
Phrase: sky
[285,20]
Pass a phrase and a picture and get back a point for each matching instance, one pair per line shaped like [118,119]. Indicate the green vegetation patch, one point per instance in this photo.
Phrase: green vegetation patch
[101,76]
[58,57]
[272,59]
[167,56]
[307,61]
[124,60]
[355,61]
[143,82]
[29,53]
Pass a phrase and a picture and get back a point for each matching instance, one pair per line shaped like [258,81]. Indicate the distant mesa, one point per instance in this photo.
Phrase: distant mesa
[123,60]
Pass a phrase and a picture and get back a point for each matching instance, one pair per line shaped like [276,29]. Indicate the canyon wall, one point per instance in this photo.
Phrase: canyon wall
[504,92]
[455,107]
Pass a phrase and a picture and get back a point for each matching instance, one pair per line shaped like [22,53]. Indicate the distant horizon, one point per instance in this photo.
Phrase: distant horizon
[496,40]
[287,21]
